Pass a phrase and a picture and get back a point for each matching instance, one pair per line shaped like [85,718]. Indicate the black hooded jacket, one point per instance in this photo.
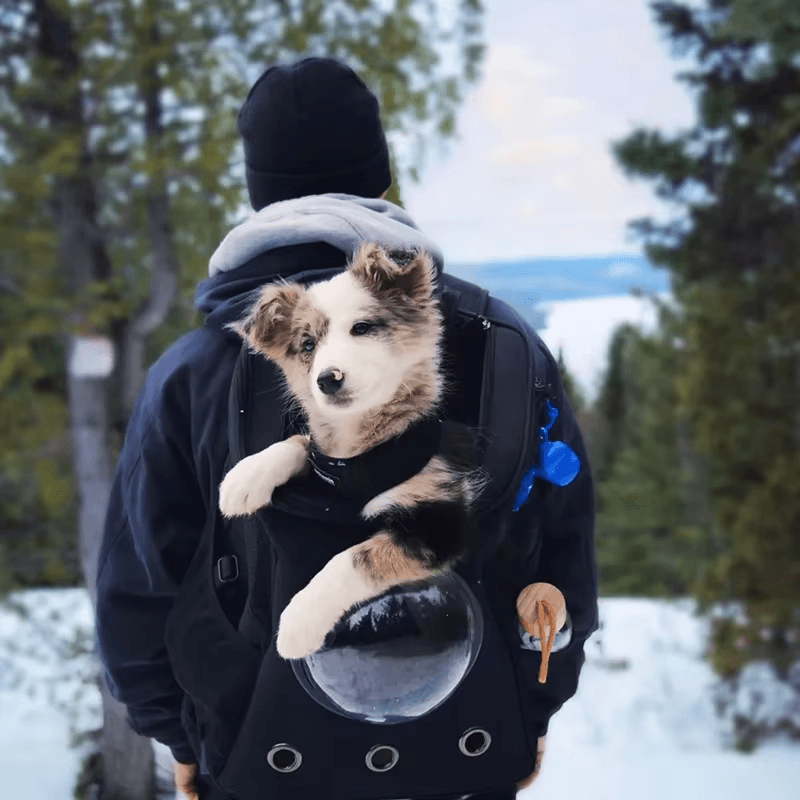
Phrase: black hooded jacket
[174,453]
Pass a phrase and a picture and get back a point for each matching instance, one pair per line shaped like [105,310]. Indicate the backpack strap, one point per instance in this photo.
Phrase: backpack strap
[257,416]
[514,383]
[507,410]
[256,419]
[464,298]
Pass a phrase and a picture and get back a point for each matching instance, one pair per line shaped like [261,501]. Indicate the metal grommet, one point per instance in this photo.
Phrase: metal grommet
[382,758]
[474,742]
[284,758]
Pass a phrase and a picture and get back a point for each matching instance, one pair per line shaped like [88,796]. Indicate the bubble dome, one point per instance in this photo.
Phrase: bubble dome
[400,655]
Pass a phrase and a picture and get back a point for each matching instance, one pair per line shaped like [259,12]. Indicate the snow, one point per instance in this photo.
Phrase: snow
[643,723]
[583,329]
[44,696]
[764,699]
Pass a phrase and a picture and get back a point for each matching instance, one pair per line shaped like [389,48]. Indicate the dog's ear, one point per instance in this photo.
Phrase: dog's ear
[267,327]
[410,272]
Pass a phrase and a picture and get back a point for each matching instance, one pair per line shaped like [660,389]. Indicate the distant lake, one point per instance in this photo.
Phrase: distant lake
[530,284]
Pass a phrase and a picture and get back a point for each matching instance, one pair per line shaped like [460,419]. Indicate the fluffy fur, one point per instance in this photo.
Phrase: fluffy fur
[361,355]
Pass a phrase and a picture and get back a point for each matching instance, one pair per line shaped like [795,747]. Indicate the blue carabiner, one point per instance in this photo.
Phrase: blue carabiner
[558,462]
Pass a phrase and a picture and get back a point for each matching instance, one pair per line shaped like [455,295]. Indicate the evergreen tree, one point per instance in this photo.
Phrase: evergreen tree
[571,386]
[734,255]
[652,524]
[616,400]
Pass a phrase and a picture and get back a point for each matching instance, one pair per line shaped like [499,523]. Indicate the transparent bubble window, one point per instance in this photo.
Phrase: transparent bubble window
[399,656]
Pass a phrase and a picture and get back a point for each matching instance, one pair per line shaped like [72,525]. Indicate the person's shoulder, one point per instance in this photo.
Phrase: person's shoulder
[504,313]
[500,312]
[194,370]
[198,349]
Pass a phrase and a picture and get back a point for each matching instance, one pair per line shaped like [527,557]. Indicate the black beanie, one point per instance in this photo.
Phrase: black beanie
[310,128]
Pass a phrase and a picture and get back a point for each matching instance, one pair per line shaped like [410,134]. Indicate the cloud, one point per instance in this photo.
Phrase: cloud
[519,100]
[532,152]
[532,172]
[512,84]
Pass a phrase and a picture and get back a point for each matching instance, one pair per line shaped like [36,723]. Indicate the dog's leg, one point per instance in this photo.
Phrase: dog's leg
[358,574]
[249,485]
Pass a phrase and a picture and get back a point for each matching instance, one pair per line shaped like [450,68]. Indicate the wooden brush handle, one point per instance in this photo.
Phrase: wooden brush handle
[538,604]
[527,611]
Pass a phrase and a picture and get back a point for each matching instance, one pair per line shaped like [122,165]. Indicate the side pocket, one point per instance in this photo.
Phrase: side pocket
[211,661]
[541,700]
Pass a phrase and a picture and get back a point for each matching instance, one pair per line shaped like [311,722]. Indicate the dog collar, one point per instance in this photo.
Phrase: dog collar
[388,464]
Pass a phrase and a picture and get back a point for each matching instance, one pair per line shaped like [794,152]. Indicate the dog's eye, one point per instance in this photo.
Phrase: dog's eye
[360,328]
[308,344]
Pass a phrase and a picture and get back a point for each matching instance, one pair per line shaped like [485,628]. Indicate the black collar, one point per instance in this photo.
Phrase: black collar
[367,475]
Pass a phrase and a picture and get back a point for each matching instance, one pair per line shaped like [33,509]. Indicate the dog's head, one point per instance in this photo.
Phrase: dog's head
[358,341]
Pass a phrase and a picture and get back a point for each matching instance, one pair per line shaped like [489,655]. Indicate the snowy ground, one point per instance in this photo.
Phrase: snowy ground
[642,725]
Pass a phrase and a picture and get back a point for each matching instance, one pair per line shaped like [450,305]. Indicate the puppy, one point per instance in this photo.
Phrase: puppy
[361,355]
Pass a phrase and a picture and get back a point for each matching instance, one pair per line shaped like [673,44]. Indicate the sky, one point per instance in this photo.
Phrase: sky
[532,173]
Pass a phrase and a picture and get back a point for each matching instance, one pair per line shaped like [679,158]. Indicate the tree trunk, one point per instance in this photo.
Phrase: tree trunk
[163,293]
[90,363]
[128,769]
[164,281]
[128,761]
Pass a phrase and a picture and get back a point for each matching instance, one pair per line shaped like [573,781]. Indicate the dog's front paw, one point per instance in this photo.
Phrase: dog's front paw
[314,611]
[250,484]
[246,488]
[303,626]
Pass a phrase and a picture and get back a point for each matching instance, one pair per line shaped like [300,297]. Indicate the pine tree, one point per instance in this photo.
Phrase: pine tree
[652,524]
[734,256]
[616,401]
[571,386]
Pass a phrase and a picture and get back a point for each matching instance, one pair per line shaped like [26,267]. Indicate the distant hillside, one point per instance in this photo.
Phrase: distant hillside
[529,284]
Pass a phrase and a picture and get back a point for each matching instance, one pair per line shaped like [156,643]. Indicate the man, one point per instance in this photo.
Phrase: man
[308,129]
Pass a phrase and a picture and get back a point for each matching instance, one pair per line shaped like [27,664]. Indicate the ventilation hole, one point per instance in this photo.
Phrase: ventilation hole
[474,742]
[283,758]
[382,758]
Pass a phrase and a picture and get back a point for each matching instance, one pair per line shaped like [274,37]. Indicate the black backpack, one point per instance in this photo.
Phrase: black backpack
[256,732]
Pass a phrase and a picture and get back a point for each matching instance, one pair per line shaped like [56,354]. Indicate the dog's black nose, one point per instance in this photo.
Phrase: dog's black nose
[330,381]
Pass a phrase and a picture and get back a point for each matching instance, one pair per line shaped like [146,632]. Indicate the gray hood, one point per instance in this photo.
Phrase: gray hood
[341,220]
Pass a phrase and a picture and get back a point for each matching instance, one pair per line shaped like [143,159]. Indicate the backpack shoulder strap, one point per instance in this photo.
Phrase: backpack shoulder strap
[257,416]
[256,419]
[462,297]
[514,384]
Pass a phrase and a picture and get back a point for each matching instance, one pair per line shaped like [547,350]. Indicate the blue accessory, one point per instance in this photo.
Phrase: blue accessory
[558,462]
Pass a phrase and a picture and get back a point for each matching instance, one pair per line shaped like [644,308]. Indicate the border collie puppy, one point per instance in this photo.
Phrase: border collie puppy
[361,355]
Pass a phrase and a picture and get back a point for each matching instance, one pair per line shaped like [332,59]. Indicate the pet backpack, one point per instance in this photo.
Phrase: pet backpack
[256,732]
